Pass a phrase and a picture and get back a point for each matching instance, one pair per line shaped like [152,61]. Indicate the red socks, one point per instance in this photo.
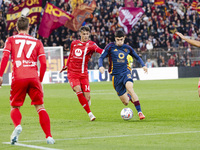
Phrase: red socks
[16,116]
[44,121]
[83,101]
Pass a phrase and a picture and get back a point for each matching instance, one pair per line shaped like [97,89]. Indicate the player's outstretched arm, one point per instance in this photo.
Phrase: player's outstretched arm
[63,69]
[145,69]
[102,70]
[190,41]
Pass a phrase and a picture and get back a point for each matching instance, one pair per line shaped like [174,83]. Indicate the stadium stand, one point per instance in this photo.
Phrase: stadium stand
[152,37]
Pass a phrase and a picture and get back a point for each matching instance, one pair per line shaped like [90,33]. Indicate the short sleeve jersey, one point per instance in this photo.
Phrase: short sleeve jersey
[25,51]
[80,54]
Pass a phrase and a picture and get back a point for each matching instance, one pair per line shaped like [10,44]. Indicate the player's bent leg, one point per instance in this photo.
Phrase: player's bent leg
[135,99]
[83,101]
[16,118]
[45,123]
[124,98]
[87,96]
[129,88]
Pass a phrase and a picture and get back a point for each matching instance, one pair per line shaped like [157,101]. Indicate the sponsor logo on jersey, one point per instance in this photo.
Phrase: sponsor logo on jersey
[28,63]
[125,50]
[18,63]
[78,52]
[129,76]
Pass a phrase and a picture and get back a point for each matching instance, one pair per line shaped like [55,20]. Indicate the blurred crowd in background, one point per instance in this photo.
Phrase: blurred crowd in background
[152,37]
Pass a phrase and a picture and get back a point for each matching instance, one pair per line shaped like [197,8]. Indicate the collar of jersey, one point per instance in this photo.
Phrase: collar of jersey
[22,34]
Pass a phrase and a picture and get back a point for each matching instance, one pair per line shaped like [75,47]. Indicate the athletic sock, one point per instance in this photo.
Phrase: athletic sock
[83,101]
[44,121]
[137,105]
[16,116]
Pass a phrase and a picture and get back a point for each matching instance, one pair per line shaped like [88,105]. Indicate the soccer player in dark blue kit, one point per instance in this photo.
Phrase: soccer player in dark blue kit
[121,73]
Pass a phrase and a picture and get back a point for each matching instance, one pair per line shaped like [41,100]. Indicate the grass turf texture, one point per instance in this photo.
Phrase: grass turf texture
[171,108]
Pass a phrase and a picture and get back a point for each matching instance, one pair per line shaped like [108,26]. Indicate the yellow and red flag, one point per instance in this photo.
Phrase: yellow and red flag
[194,5]
[75,3]
[35,8]
[80,13]
[159,2]
[52,19]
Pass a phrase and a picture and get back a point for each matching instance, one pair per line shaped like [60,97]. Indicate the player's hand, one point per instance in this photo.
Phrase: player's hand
[1,81]
[180,35]
[63,69]
[102,70]
[145,69]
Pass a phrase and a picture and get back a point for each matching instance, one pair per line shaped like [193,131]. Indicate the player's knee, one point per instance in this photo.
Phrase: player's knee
[125,103]
[77,89]
[88,97]
[130,90]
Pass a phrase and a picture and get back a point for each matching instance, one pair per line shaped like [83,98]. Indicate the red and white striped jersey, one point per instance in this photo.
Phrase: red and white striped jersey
[80,54]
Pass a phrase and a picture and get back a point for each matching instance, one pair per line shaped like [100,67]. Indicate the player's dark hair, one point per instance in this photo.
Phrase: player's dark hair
[85,28]
[22,23]
[119,33]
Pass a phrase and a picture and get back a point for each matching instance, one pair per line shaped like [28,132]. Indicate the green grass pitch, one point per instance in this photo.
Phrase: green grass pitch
[171,107]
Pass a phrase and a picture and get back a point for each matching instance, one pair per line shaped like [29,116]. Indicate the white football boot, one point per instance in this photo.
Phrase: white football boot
[15,134]
[92,117]
[50,140]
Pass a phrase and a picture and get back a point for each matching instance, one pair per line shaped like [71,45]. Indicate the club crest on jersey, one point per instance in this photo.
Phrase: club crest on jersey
[79,44]
[78,52]
[121,55]
[18,63]
[125,50]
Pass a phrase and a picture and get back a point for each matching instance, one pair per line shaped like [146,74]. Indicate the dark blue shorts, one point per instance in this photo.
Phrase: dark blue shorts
[120,80]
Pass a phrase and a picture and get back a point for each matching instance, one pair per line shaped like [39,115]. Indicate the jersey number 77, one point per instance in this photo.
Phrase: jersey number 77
[21,47]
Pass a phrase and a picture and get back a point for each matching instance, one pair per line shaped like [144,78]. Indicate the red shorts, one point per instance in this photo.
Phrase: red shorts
[82,81]
[19,88]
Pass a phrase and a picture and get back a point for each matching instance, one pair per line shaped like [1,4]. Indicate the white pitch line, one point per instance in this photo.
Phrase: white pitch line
[32,146]
[101,137]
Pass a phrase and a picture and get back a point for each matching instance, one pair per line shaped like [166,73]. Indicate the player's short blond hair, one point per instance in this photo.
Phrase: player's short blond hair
[22,23]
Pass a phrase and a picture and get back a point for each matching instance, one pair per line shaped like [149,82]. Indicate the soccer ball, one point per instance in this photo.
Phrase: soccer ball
[126,113]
